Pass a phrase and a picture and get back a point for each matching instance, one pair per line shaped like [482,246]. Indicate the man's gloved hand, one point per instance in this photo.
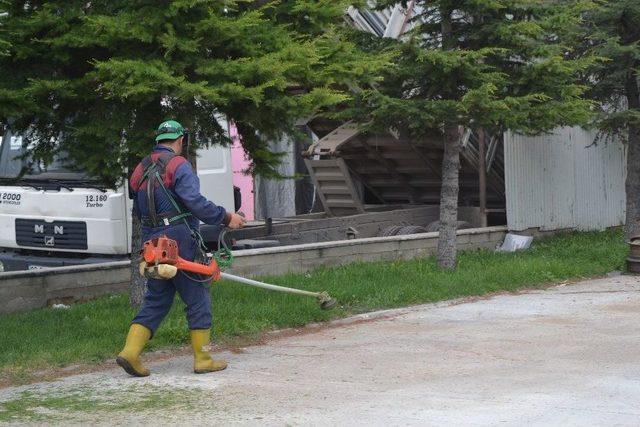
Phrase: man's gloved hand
[236,221]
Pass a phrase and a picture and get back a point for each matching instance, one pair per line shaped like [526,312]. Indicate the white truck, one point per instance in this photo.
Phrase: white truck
[54,217]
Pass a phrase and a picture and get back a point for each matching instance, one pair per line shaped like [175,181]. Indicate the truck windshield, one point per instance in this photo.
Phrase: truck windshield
[11,164]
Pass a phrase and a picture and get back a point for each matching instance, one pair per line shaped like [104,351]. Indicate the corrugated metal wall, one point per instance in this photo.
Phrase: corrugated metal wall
[562,180]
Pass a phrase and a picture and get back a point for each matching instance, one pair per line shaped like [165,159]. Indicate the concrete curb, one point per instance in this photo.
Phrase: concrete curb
[25,290]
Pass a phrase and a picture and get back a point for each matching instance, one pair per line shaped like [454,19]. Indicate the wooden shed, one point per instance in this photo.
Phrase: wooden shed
[355,171]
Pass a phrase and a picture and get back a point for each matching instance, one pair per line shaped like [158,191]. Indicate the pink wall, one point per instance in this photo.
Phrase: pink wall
[240,163]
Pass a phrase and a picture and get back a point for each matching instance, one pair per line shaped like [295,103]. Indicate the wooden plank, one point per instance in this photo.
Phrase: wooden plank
[383,141]
[349,182]
[421,183]
[471,156]
[339,197]
[314,179]
[366,183]
[335,173]
[390,167]
[433,156]
[330,143]
[321,229]
[335,189]
[405,156]
[333,168]
[343,212]
[411,170]
[329,176]
[337,203]
[424,158]
[382,184]
[323,163]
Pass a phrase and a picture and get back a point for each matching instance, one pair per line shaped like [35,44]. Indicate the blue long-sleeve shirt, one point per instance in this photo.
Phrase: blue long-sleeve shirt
[185,189]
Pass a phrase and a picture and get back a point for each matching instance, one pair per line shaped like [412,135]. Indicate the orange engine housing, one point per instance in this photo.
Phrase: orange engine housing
[163,250]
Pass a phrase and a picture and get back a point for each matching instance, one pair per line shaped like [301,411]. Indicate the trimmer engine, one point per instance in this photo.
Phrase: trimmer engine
[160,260]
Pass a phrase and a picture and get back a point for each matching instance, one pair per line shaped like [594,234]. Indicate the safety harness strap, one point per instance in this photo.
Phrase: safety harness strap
[153,173]
[195,233]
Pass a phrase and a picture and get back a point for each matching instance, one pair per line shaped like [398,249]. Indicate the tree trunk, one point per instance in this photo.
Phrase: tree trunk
[632,223]
[447,245]
[632,185]
[138,285]
[447,248]
[482,177]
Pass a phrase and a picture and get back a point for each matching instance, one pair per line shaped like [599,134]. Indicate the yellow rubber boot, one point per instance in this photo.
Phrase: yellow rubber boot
[202,361]
[129,357]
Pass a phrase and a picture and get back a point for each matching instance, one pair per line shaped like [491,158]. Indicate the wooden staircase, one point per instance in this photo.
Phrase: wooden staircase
[335,187]
[347,164]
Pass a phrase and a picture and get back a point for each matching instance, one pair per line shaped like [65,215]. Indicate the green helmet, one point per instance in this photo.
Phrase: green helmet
[169,130]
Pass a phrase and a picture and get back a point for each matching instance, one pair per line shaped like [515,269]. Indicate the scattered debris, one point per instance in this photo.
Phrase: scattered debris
[515,242]
[60,307]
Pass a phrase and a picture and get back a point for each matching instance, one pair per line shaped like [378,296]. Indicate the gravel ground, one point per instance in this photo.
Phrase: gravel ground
[567,355]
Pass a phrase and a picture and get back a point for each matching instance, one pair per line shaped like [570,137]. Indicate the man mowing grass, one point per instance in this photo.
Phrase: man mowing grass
[166,194]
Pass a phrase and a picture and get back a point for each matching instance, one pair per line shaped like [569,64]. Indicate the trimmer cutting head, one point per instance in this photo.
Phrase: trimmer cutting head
[326,302]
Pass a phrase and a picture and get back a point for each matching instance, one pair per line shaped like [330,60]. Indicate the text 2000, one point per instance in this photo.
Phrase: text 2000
[10,196]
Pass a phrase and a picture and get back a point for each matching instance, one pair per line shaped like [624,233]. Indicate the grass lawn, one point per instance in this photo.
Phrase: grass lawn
[95,331]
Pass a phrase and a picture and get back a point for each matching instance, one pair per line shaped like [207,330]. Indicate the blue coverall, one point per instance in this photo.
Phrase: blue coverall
[159,297]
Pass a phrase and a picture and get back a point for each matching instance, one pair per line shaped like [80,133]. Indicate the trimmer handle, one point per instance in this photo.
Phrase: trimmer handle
[211,270]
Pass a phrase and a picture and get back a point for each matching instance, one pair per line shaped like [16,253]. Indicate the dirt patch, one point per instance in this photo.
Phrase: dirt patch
[621,308]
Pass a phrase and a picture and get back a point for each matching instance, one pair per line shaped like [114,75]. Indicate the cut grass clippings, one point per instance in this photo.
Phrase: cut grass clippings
[94,331]
[76,404]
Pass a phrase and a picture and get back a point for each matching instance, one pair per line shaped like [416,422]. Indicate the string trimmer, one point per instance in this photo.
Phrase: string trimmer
[160,260]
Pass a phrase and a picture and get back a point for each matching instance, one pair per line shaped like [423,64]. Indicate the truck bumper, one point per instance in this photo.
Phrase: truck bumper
[13,261]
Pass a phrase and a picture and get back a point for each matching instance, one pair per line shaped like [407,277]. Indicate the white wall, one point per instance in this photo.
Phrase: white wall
[562,180]
[216,175]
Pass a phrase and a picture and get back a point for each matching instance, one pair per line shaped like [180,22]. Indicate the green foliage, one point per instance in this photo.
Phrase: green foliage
[105,73]
[493,64]
[95,331]
[610,30]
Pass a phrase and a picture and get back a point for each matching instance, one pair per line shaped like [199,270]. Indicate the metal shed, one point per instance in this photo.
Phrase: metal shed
[563,180]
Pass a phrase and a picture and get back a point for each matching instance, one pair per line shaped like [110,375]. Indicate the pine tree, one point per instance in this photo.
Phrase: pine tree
[490,65]
[105,73]
[611,31]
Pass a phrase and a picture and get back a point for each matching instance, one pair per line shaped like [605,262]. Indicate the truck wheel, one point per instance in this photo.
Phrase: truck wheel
[411,229]
[435,226]
[390,231]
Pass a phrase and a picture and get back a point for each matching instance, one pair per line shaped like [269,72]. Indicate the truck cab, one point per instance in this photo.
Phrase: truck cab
[54,216]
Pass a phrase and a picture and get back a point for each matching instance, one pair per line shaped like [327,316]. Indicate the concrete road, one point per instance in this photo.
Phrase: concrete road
[564,356]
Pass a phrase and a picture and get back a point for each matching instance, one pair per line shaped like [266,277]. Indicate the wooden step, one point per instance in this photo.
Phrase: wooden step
[334,189]
[330,176]
[324,163]
[337,203]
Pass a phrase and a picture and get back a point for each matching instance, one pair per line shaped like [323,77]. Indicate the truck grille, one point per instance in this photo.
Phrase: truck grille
[51,235]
